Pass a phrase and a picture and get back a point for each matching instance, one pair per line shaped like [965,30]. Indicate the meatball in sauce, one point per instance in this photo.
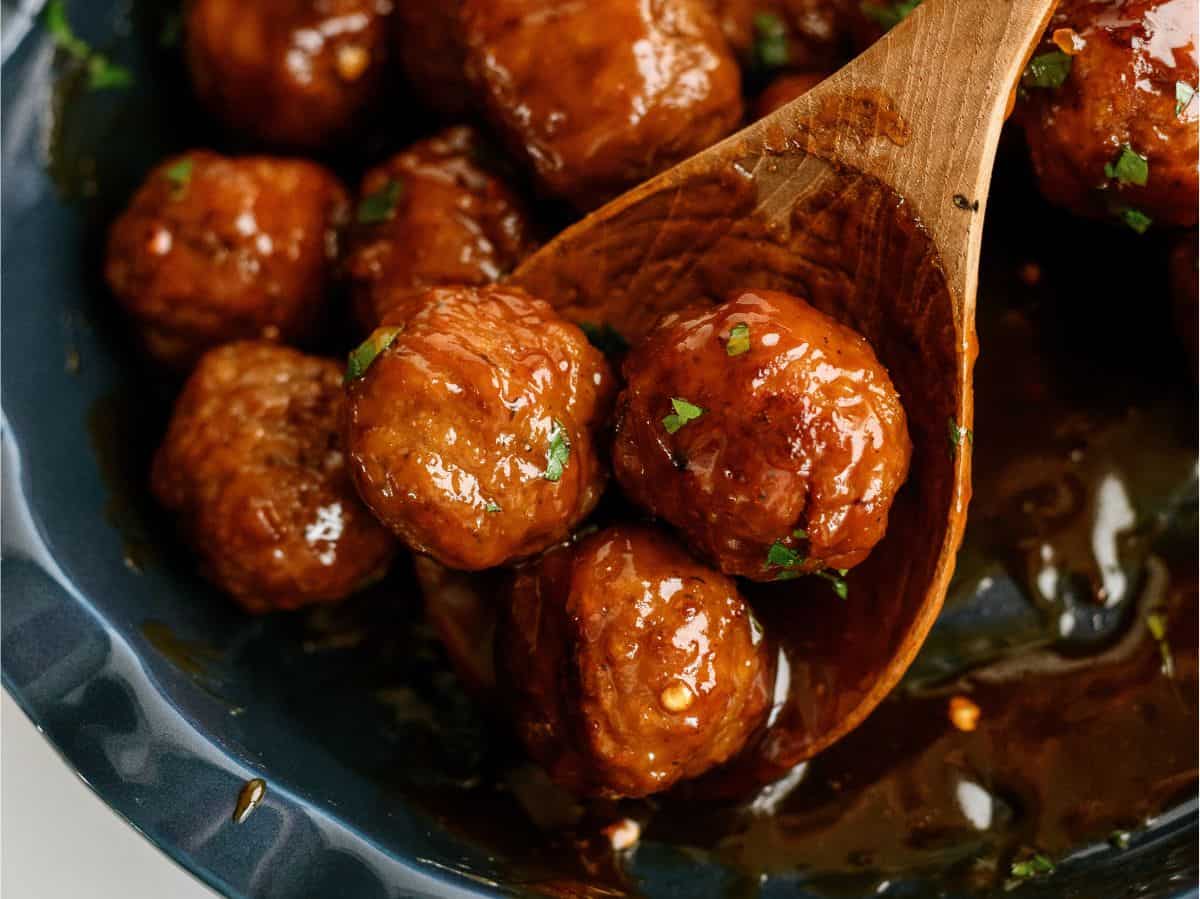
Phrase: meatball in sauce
[253,468]
[766,432]
[599,96]
[297,73]
[472,433]
[429,45]
[430,216]
[1111,120]
[629,665]
[213,249]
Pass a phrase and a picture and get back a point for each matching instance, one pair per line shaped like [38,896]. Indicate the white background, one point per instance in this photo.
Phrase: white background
[59,841]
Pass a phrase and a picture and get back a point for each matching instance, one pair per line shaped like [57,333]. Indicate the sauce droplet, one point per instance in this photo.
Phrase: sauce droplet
[677,697]
[249,799]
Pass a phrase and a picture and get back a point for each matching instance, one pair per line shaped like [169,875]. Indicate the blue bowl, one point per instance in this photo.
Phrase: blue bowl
[164,697]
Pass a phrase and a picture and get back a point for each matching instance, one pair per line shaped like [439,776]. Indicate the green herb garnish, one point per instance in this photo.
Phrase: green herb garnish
[1156,623]
[957,435]
[179,173]
[780,556]
[364,354]
[889,16]
[1183,96]
[1036,866]
[800,533]
[837,579]
[379,206]
[492,507]
[1135,219]
[770,41]
[684,412]
[605,338]
[1130,167]
[558,453]
[1047,70]
[1120,839]
[102,72]
[739,340]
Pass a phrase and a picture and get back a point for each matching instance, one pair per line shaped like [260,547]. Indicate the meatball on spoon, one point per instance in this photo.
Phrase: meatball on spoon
[865,197]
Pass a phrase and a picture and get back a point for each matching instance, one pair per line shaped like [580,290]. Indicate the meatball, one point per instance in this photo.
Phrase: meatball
[429,46]
[629,665]
[431,216]
[787,34]
[784,89]
[472,433]
[213,249]
[599,96]
[768,433]
[299,73]
[252,466]
[1118,136]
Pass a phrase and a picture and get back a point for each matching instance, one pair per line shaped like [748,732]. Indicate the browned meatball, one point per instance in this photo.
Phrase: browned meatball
[472,433]
[787,34]
[629,665]
[768,433]
[784,89]
[429,44]
[599,96]
[213,249]
[1118,136]
[299,73]
[433,216]
[253,467]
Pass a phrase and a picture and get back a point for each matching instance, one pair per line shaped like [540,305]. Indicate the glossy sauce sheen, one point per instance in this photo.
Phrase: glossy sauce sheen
[450,430]
[630,666]
[801,432]
[453,223]
[599,96]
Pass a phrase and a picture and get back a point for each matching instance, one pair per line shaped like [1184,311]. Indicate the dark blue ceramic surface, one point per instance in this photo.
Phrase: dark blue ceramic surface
[105,636]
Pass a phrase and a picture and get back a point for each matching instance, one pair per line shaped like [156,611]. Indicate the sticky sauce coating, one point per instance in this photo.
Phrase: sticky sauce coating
[629,665]
[253,468]
[213,249]
[599,96]
[1132,81]
[442,218]
[298,74]
[800,442]
[473,434]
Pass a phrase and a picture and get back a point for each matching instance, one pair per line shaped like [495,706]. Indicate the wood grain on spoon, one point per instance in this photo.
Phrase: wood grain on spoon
[866,196]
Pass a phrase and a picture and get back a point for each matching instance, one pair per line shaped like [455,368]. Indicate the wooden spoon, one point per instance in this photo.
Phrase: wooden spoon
[865,196]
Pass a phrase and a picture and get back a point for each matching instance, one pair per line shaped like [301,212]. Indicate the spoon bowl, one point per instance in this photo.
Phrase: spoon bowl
[866,197]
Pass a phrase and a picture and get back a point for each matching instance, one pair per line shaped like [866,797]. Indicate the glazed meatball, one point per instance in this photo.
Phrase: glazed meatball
[472,433]
[298,73]
[429,45]
[253,468]
[786,34]
[768,433]
[433,215]
[784,89]
[629,665]
[1118,136]
[599,96]
[213,249]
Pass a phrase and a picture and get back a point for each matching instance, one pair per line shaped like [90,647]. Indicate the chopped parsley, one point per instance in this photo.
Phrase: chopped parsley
[1037,866]
[605,338]
[360,358]
[1183,96]
[1047,70]
[837,579]
[789,560]
[739,340]
[492,507]
[101,71]
[179,173]
[780,556]
[684,412]
[1130,167]
[889,15]
[1156,623]
[770,41]
[379,206]
[1120,839]
[1135,219]
[957,435]
[558,453]
[800,533]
